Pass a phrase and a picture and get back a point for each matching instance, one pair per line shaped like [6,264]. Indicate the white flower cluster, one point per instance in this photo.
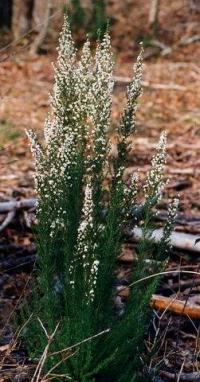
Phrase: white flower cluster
[86,243]
[82,96]
[81,99]
[50,131]
[94,272]
[38,157]
[64,76]
[134,90]
[53,169]
[172,213]
[173,207]
[155,183]
[84,78]
[84,234]
[102,95]
[75,135]
[86,224]
[130,196]
[131,190]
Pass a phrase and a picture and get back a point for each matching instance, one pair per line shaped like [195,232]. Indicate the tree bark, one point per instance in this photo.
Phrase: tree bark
[22,17]
[153,14]
[43,26]
[38,14]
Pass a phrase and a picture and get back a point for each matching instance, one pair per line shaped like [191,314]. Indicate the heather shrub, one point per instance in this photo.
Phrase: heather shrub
[83,208]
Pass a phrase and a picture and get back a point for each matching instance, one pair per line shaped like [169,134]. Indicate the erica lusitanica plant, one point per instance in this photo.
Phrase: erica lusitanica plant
[81,222]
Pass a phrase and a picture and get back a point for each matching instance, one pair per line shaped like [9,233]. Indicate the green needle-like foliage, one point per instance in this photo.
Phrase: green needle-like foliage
[99,18]
[95,21]
[77,14]
[80,225]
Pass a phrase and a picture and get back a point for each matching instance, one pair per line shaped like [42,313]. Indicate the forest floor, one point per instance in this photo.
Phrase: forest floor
[170,101]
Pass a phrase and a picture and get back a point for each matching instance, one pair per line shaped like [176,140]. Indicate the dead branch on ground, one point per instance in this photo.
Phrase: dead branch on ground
[179,240]
[123,81]
[17,204]
[175,306]
[184,377]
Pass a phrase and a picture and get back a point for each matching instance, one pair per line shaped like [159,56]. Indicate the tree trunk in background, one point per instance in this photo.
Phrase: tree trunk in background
[40,7]
[42,25]
[47,19]
[22,17]
[38,14]
[153,14]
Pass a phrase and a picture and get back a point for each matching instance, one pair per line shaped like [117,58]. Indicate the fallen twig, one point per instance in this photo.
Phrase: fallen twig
[179,240]
[176,306]
[183,284]
[185,377]
[38,370]
[17,204]
[183,171]
[8,220]
[190,40]
[181,218]
[123,81]
[163,47]
[168,304]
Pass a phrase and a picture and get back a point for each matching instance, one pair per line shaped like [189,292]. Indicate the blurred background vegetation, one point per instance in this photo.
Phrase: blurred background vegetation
[137,20]
[169,31]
